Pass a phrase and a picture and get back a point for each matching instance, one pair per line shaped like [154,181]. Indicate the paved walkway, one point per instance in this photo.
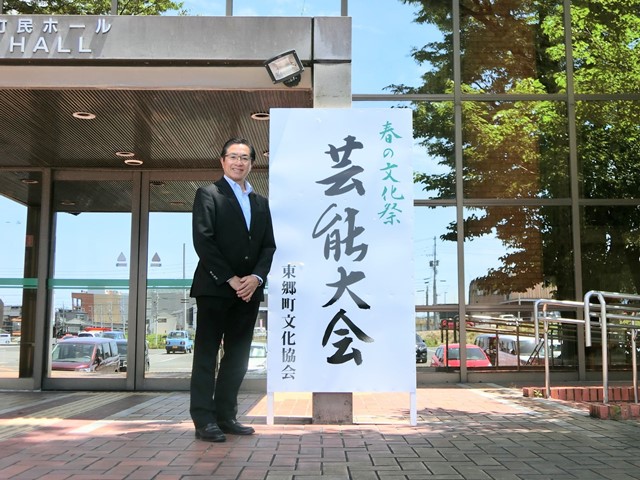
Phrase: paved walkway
[479,431]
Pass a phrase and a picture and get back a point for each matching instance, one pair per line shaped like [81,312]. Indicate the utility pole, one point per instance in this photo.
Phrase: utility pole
[426,292]
[426,299]
[434,265]
[184,292]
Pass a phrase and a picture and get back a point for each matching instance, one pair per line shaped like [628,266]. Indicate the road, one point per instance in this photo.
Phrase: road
[159,359]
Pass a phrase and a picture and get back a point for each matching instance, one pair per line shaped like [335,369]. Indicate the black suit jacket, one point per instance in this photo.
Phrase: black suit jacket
[224,245]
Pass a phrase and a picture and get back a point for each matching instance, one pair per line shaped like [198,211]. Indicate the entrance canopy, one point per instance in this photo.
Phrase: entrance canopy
[167,91]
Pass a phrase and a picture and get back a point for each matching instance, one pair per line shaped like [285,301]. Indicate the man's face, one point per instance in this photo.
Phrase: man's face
[236,164]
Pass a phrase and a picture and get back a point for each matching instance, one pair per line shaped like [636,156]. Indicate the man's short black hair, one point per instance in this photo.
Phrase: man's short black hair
[239,141]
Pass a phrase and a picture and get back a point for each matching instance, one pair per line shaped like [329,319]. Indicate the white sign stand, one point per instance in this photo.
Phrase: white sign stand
[341,306]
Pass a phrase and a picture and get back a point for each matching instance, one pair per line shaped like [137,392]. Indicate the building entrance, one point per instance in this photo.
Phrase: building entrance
[122,262]
[103,150]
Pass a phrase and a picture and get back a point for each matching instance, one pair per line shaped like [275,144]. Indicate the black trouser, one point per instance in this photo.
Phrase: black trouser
[230,321]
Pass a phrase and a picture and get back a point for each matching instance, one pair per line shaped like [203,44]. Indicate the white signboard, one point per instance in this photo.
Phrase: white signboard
[341,306]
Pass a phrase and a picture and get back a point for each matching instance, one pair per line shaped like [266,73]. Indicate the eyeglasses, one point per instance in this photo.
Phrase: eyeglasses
[242,158]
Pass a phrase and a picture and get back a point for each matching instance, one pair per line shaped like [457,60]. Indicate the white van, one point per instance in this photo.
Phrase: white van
[5,338]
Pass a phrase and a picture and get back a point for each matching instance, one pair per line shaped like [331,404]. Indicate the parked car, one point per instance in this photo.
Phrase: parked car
[421,350]
[489,343]
[89,334]
[508,319]
[258,358]
[179,341]
[115,334]
[122,351]
[525,350]
[515,350]
[5,338]
[450,357]
[86,354]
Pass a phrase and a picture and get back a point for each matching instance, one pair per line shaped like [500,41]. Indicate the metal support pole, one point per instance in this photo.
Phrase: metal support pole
[634,364]
[344,8]
[547,372]
[605,352]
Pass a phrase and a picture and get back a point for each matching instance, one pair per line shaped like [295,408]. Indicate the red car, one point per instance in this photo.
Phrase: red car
[450,357]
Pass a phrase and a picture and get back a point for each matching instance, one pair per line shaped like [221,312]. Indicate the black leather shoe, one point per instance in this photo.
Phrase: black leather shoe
[234,427]
[210,433]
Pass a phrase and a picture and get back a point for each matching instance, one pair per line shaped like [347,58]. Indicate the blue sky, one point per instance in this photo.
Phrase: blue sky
[383,32]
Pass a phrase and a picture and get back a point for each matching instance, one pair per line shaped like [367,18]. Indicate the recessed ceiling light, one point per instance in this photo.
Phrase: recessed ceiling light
[84,115]
[133,161]
[29,181]
[67,203]
[265,153]
[177,203]
[260,116]
[157,183]
[125,154]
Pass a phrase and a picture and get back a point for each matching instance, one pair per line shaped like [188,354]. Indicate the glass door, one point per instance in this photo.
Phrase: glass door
[122,260]
[20,213]
[169,312]
[89,284]
[167,266]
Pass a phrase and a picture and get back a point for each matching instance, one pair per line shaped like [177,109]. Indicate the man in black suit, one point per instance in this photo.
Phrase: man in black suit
[233,237]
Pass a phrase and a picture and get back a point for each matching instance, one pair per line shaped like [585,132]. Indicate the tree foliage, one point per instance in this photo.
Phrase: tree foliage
[90,7]
[520,149]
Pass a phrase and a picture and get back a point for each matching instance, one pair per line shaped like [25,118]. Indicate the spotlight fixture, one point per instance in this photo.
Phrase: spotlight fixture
[285,68]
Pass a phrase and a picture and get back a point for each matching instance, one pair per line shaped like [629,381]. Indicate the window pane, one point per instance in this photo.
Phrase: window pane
[90,281]
[605,46]
[609,149]
[610,248]
[515,150]
[435,257]
[435,156]
[515,253]
[170,311]
[20,199]
[513,47]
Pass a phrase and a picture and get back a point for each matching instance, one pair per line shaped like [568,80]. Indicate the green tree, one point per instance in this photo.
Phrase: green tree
[90,7]
[519,150]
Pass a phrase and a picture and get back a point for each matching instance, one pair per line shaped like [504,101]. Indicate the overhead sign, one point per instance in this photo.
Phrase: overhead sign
[164,38]
[44,36]
[341,307]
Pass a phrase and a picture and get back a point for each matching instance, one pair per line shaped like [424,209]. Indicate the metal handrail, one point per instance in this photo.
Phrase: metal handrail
[619,311]
[546,319]
[603,316]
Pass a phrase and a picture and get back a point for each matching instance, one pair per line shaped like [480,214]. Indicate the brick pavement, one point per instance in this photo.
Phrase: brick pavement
[479,431]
